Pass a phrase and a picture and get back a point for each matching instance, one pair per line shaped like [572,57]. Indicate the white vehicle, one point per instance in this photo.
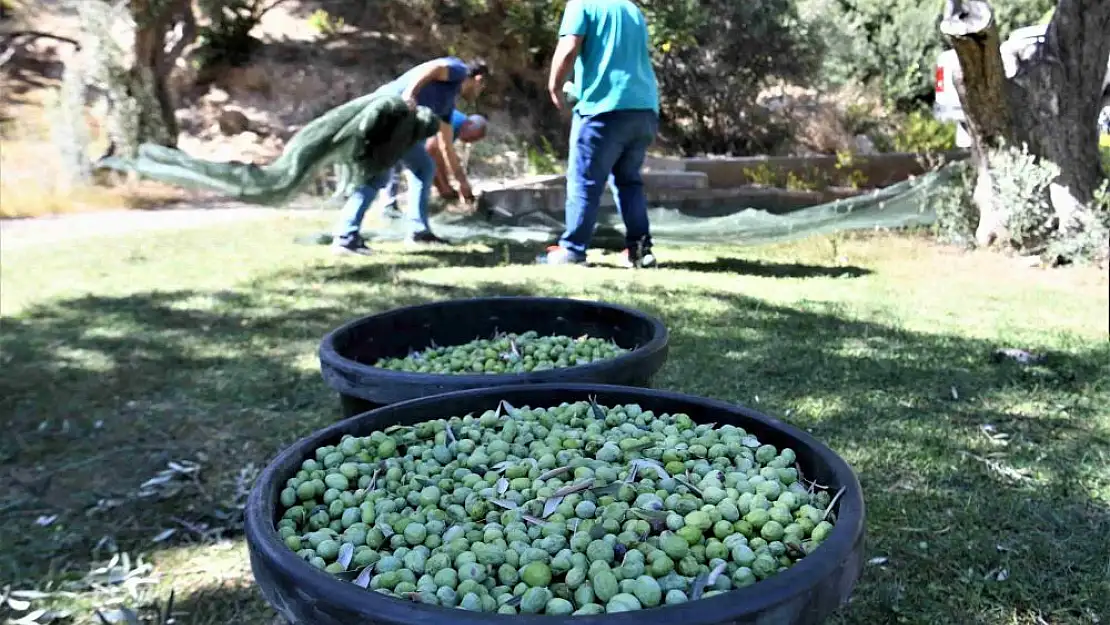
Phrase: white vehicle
[1021,44]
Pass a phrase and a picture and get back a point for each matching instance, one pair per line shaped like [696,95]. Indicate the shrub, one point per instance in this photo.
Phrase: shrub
[1021,182]
[226,37]
[921,132]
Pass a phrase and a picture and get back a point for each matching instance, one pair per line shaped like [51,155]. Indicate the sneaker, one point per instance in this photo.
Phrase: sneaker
[426,237]
[639,257]
[558,255]
[352,244]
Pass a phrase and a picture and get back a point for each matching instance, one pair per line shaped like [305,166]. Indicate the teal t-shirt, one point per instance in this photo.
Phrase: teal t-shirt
[457,120]
[613,71]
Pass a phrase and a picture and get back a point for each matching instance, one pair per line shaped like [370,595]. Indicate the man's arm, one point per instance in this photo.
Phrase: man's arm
[432,71]
[447,148]
[441,181]
[561,63]
[572,31]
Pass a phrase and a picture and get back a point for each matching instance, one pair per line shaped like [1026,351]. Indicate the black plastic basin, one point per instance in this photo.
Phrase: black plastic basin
[805,594]
[347,353]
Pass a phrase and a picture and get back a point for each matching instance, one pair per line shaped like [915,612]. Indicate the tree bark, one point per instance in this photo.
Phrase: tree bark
[1051,104]
[153,19]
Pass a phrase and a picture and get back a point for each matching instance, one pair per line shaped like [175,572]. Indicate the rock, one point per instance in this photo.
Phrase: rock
[216,96]
[233,122]
[864,145]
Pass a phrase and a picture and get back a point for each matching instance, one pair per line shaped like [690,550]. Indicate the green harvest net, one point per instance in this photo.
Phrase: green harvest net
[369,134]
[905,204]
[360,138]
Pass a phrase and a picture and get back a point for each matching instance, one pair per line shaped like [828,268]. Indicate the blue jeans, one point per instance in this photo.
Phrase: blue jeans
[421,171]
[391,186]
[608,147]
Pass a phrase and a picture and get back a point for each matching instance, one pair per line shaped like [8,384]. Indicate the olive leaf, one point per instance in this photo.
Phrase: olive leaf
[504,409]
[632,472]
[533,520]
[502,485]
[373,480]
[650,515]
[598,411]
[608,489]
[639,446]
[547,475]
[577,522]
[685,482]
[515,601]
[501,466]
[795,549]
[705,579]
[346,553]
[832,503]
[504,503]
[363,578]
[451,434]
[396,428]
[348,575]
[750,442]
[577,487]
[551,505]
[715,573]
[654,465]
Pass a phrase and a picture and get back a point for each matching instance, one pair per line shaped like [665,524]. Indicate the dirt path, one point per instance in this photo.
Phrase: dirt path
[22,233]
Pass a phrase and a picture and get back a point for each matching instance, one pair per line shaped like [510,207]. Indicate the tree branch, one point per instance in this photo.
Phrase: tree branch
[10,38]
[966,18]
[969,26]
[188,21]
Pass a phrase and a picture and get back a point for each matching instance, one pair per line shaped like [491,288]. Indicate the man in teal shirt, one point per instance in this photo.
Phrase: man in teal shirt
[616,117]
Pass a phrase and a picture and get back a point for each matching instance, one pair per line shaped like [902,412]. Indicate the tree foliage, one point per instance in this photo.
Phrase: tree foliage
[894,43]
[713,57]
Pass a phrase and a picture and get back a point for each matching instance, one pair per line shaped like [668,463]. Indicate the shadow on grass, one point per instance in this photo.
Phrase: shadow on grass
[506,253]
[104,393]
[764,269]
[978,475]
[225,603]
[979,498]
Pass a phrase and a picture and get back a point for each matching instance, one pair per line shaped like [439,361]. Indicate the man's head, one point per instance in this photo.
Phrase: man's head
[477,70]
[473,129]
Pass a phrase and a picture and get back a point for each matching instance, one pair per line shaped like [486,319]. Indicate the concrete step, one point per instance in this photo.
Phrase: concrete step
[664,163]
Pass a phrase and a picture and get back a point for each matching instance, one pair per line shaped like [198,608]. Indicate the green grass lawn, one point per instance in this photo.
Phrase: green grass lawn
[987,484]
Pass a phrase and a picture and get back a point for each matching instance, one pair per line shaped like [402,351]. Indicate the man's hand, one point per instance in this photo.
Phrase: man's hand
[566,51]
[557,96]
[466,192]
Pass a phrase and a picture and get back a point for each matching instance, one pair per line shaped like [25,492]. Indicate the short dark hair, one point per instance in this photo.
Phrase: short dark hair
[476,68]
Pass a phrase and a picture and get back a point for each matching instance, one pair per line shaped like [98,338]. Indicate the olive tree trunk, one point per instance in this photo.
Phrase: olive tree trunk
[1051,104]
[127,61]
